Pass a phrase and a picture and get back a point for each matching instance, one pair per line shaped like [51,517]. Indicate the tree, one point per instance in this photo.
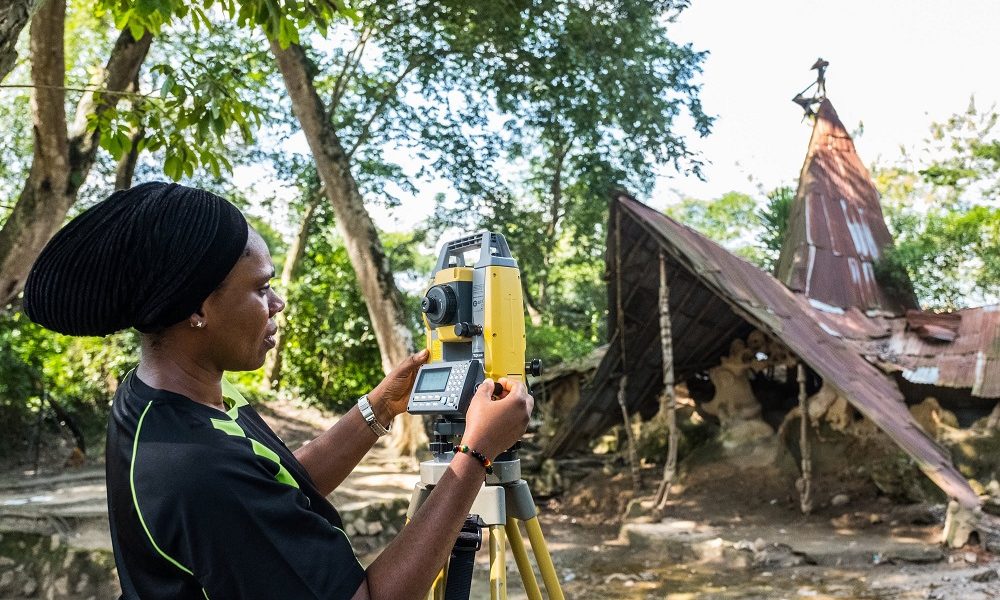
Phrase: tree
[573,125]
[62,156]
[773,217]
[942,205]
[14,16]
[583,122]
[385,306]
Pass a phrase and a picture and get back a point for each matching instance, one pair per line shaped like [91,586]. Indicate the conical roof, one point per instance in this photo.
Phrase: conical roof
[836,231]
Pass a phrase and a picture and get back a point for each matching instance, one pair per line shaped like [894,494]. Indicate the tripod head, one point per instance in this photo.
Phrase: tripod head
[506,466]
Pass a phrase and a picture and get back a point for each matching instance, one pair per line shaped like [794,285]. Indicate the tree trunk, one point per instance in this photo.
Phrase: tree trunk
[42,203]
[125,171]
[61,160]
[384,301]
[14,15]
[272,367]
[551,228]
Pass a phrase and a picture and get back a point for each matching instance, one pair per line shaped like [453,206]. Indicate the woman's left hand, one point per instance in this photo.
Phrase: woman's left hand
[389,398]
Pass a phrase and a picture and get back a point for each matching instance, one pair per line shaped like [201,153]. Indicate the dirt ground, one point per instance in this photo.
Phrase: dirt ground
[595,562]
[582,526]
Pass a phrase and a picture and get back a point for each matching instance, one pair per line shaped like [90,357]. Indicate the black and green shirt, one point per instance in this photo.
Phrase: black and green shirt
[206,504]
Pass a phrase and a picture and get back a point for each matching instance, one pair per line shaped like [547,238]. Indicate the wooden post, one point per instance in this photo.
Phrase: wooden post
[805,487]
[668,401]
[633,455]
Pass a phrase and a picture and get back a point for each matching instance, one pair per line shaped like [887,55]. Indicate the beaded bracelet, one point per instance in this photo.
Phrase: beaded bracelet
[487,463]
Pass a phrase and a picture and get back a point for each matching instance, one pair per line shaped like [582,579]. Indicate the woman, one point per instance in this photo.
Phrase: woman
[205,501]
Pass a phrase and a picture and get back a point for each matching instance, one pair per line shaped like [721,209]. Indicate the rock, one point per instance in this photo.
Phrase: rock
[919,514]
[61,586]
[840,500]
[360,526]
[987,575]
[375,528]
[970,557]
[30,587]
[6,579]
[82,584]
[915,553]
[780,556]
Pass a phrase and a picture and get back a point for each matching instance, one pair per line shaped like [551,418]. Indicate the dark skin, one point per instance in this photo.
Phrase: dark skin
[233,331]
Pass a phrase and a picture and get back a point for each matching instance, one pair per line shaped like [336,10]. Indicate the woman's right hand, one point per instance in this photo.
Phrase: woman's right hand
[492,426]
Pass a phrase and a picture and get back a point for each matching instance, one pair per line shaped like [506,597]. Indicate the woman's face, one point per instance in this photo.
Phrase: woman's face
[239,315]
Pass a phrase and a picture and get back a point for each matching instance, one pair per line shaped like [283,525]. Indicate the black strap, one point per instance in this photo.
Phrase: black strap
[463,558]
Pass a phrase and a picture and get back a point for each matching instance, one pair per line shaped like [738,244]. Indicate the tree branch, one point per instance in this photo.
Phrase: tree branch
[351,62]
[61,162]
[66,88]
[48,70]
[118,74]
[383,100]
[14,15]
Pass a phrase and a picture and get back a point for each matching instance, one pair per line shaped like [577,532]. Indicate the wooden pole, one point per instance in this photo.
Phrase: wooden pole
[668,401]
[633,455]
[805,489]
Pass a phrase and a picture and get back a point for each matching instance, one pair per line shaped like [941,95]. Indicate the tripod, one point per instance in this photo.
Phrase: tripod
[503,502]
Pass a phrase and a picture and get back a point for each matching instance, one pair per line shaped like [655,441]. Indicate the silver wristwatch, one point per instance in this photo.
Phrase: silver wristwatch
[366,411]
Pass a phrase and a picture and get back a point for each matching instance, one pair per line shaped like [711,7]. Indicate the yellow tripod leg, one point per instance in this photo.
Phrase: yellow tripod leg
[543,558]
[437,588]
[498,564]
[521,558]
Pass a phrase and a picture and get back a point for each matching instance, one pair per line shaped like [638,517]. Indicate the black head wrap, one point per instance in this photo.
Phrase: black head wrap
[146,257]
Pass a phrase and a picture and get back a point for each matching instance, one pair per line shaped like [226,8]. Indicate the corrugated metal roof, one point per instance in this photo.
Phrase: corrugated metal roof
[836,231]
[716,296]
[971,361]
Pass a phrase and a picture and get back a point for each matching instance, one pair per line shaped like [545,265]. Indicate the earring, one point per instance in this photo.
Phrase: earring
[198,324]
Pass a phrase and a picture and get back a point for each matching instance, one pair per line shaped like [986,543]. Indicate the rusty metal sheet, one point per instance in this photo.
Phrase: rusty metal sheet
[758,299]
[836,231]
[935,327]
[971,361]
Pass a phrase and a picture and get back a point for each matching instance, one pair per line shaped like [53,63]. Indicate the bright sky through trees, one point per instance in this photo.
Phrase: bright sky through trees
[896,66]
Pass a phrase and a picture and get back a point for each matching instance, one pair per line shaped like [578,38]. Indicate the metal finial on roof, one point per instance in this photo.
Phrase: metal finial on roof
[808,102]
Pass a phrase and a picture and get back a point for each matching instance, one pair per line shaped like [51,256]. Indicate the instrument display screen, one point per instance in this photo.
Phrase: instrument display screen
[433,380]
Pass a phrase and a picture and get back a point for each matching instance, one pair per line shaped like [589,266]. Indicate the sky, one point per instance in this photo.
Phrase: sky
[895,65]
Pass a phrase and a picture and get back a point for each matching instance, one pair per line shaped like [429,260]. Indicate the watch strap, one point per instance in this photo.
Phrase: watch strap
[369,415]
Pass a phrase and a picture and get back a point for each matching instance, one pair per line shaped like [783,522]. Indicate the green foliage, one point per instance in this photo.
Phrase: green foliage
[280,21]
[207,88]
[773,218]
[555,344]
[575,124]
[79,373]
[330,353]
[943,207]
[750,228]
[952,257]
[720,219]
